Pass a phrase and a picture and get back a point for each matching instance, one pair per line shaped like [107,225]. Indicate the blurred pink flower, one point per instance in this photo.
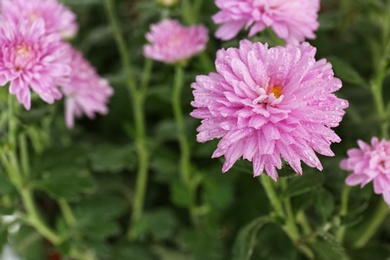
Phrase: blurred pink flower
[370,163]
[86,93]
[32,58]
[58,18]
[292,20]
[267,103]
[172,42]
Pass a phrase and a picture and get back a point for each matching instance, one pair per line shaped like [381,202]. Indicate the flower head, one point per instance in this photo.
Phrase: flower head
[86,93]
[172,42]
[292,20]
[32,58]
[269,103]
[370,163]
[57,18]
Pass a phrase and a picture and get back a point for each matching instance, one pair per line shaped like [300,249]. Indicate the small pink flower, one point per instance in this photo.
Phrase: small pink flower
[370,163]
[32,58]
[58,18]
[171,42]
[86,93]
[265,104]
[292,20]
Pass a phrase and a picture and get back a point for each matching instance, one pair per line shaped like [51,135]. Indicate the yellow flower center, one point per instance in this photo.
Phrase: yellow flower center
[277,91]
[33,16]
[23,50]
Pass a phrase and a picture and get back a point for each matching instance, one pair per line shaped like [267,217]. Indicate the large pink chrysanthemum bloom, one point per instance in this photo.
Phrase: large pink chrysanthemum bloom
[32,58]
[370,163]
[172,42]
[269,103]
[86,93]
[292,20]
[58,18]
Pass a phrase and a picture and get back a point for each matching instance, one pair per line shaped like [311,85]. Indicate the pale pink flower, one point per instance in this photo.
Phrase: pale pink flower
[57,17]
[172,42]
[370,163]
[86,93]
[269,103]
[32,58]
[292,20]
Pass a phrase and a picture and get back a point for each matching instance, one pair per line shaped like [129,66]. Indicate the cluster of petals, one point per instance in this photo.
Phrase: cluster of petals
[171,42]
[267,104]
[370,163]
[58,18]
[86,92]
[31,58]
[292,20]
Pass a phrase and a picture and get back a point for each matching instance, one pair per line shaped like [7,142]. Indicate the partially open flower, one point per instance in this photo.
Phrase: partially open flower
[172,42]
[57,18]
[370,163]
[292,20]
[86,92]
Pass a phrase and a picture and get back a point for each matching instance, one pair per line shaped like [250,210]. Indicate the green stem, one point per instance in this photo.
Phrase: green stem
[24,157]
[146,76]
[290,227]
[124,54]
[35,219]
[11,122]
[67,212]
[185,155]
[290,223]
[371,225]
[138,98]
[272,196]
[343,211]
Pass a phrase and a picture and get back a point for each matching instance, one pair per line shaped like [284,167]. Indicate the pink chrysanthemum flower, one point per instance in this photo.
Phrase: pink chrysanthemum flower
[32,58]
[86,93]
[58,18]
[269,103]
[172,42]
[292,20]
[370,163]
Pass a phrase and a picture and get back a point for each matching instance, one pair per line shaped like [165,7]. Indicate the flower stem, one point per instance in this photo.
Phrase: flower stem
[35,219]
[343,211]
[372,224]
[290,226]
[138,99]
[185,155]
[67,212]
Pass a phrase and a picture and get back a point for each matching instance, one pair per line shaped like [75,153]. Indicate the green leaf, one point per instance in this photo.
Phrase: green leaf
[130,251]
[102,207]
[372,252]
[330,20]
[28,244]
[160,224]
[304,184]
[180,194]
[328,248]
[164,253]
[345,72]
[246,239]
[66,183]
[218,192]
[96,216]
[324,204]
[112,158]
[5,186]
